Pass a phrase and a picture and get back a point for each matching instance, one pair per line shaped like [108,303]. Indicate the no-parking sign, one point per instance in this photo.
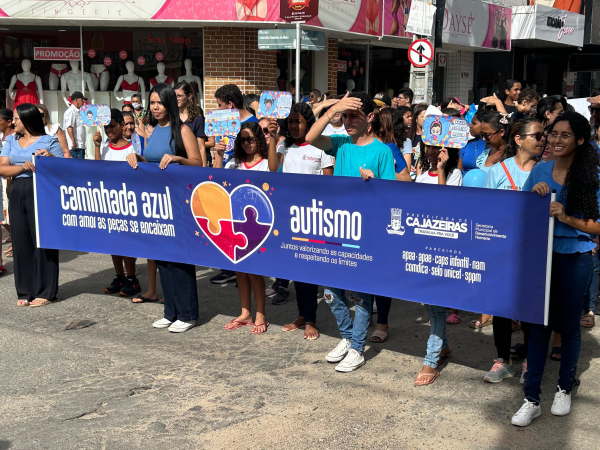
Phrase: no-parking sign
[420,53]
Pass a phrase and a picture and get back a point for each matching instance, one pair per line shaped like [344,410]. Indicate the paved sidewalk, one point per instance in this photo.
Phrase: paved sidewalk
[120,384]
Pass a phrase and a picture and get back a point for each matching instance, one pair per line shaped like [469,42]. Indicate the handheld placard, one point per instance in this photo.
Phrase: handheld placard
[93,115]
[445,131]
[274,104]
[223,122]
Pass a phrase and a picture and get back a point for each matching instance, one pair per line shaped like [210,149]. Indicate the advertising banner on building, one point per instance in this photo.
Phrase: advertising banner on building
[448,246]
[474,23]
[396,16]
[547,24]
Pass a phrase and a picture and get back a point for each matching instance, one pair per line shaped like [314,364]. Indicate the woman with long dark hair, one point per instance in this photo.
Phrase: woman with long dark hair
[295,155]
[172,143]
[574,176]
[548,109]
[387,126]
[191,115]
[250,152]
[495,131]
[36,269]
[416,130]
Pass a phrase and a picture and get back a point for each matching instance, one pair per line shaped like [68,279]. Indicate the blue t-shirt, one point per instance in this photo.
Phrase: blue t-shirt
[350,157]
[399,162]
[469,154]
[482,158]
[18,156]
[566,238]
[497,178]
[159,143]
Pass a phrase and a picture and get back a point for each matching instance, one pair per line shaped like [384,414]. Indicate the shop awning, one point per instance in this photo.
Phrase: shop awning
[540,26]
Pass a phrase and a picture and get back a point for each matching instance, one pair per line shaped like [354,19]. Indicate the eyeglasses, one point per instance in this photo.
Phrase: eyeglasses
[537,136]
[563,136]
[487,137]
[249,140]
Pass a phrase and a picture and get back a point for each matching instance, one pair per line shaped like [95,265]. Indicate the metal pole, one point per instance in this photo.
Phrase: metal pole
[298,49]
[549,263]
[81,59]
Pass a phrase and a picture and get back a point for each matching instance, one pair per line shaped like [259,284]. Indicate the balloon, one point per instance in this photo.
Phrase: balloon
[474,178]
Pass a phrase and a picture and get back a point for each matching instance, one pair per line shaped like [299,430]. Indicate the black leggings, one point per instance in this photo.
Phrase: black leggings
[503,334]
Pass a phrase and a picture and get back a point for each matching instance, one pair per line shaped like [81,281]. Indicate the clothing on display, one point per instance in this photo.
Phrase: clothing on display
[126,86]
[59,73]
[26,93]
[154,81]
[98,75]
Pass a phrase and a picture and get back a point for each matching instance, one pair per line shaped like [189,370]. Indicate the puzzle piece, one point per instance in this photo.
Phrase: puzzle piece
[227,240]
[212,202]
[250,196]
[254,232]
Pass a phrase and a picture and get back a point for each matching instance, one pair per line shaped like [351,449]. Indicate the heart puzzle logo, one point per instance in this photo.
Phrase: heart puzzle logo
[237,223]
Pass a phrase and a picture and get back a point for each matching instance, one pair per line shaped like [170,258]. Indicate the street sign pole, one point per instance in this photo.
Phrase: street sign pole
[421,78]
[298,50]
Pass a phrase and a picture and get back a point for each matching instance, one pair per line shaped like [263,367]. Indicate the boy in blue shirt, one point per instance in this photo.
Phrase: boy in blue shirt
[357,155]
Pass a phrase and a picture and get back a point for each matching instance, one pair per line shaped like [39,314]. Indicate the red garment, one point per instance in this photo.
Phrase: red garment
[372,10]
[154,81]
[130,87]
[26,93]
[59,73]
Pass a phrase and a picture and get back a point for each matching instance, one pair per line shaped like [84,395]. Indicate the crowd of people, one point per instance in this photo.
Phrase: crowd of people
[520,141]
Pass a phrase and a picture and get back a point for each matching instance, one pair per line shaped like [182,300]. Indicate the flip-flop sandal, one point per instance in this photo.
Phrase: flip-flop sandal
[314,338]
[556,351]
[144,299]
[3,271]
[237,324]
[431,378]
[453,319]
[379,336]
[295,327]
[588,321]
[265,324]
[39,302]
[23,303]
[476,324]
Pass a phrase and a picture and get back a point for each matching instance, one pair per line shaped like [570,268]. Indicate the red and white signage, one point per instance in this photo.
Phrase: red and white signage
[420,53]
[56,54]
[342,66]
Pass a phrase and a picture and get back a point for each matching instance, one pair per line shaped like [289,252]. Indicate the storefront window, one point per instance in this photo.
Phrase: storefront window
[286,63]
[352,60]
[392,70]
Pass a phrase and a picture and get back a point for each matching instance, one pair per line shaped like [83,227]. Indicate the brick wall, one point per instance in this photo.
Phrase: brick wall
[231,55]
[332,53]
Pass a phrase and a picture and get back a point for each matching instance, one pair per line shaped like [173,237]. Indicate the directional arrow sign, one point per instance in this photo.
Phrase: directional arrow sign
[420,53]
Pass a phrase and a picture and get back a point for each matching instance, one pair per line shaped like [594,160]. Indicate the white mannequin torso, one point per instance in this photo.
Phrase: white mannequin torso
[100,76]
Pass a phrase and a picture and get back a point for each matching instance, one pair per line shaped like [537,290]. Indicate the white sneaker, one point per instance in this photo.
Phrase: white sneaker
[339,352]
[352,361]
[523,372]
[526,414]
[179,327]
[162,323]
[561,406]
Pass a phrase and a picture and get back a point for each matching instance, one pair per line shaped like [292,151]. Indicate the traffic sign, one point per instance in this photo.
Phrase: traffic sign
[420,53]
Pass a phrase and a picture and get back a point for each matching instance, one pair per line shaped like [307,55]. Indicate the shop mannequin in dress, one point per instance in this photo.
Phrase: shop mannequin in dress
[72,81]
[161,77]
[56,73]
[29,86]
[194,81]
[131,83]
[100,77]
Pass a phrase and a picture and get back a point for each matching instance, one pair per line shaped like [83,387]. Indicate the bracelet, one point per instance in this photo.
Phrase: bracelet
[327,114]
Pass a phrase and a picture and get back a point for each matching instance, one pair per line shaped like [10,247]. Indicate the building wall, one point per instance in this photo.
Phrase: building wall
[459,75]
[332,54]
[231,55]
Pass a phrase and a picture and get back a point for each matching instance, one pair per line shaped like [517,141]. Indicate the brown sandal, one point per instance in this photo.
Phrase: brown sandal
[39,302]
[425,379]
[22,302]
[588,321]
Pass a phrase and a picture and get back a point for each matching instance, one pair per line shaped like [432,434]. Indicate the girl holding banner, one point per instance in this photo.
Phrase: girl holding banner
[172,143]
[574,176]
[36,269]
[250,152]
[296,155]
[527,142]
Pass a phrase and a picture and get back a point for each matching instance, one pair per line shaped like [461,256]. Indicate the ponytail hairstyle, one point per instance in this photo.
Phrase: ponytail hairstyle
[500,122]
[547,104]
[169,100]
[305,111]
[519,128]
[400,131]
[382,126]
[579,193]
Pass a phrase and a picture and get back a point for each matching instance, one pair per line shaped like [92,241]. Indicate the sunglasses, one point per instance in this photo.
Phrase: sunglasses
[537,136]
[487,137]
[249,140]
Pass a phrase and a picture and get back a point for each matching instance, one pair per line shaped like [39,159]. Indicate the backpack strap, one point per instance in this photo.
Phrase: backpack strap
[510,178]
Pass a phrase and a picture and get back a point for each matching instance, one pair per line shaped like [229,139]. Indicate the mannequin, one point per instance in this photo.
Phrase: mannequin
[56,72]
[72,81]
[132,84]
[161,77]
[194,81]
[100,76]
[29,86]
[350,85]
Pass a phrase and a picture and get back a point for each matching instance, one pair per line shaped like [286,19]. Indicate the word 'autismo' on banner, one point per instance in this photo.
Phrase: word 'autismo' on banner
[441,245]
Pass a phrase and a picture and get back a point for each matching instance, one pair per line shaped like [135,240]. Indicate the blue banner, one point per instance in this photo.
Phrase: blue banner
[476,250]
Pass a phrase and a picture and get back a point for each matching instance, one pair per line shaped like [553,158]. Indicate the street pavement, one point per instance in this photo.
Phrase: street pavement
[120,384]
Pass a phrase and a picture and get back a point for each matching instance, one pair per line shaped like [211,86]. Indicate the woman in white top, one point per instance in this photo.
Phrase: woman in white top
[53,129]
[296,155]
[250,152]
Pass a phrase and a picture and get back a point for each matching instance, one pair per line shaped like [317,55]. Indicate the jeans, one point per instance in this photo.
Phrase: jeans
[383,309]
[306,298]
[178,283]
[594,283]
[568,293]
[78,153]
[503,335]
[437,334]
[356,332]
